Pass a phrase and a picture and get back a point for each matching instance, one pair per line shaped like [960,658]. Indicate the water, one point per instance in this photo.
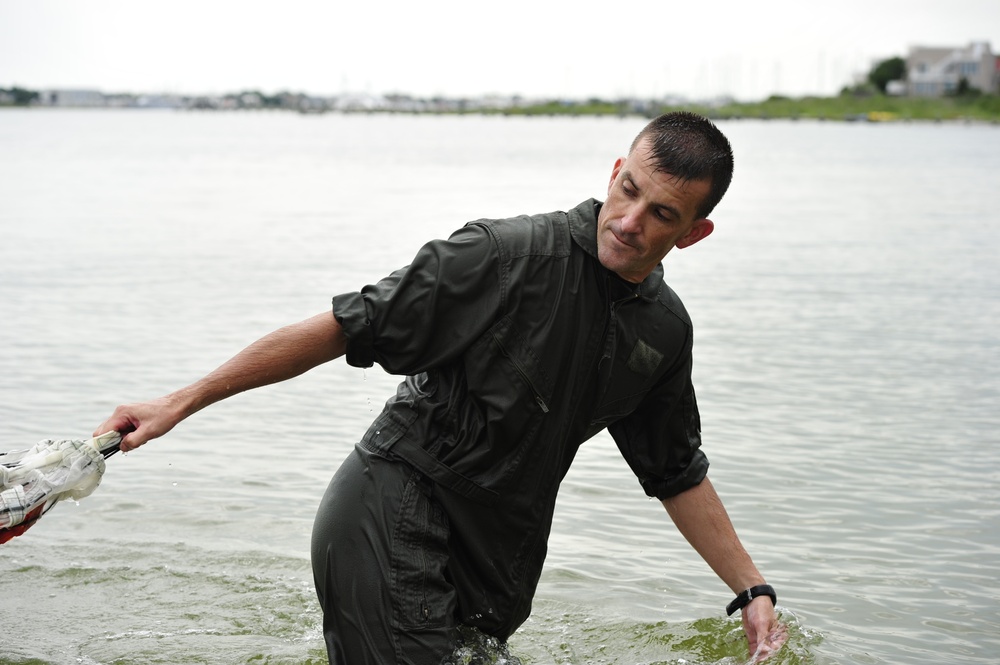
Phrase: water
[846,314]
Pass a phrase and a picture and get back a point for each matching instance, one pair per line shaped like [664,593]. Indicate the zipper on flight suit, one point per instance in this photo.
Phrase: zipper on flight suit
[611,331]
[604,365]
[524,374]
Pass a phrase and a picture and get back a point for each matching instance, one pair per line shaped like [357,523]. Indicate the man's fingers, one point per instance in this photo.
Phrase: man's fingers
[776,636]
[127,444]
[124,423]
[135,436]
[765,634]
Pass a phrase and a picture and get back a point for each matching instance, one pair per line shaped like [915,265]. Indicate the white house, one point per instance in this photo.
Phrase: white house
[935,72]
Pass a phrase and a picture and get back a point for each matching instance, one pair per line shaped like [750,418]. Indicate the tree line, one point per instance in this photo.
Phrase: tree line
[17,96]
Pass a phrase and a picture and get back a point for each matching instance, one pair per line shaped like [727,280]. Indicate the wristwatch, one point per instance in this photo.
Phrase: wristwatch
[744,597]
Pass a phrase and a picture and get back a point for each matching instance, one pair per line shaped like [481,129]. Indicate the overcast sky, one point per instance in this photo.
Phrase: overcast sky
[578,49]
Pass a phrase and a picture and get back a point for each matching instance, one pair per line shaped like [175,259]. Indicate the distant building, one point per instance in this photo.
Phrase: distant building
[355,102]
[160,102]
[936,72]
[73,98]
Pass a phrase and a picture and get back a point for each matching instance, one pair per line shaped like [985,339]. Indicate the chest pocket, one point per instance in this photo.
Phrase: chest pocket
[626,384]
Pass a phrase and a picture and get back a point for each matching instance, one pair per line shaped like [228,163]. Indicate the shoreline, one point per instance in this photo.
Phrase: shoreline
[723,114]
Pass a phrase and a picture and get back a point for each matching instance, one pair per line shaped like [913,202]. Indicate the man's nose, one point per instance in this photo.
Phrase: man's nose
[632,219]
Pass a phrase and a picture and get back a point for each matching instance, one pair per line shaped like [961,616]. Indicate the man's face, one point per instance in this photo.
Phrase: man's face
[647,214]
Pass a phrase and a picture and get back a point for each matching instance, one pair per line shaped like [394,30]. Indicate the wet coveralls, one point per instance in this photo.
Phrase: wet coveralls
[517,346]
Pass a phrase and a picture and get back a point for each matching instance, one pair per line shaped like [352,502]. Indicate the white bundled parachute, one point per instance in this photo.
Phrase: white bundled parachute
[32,481]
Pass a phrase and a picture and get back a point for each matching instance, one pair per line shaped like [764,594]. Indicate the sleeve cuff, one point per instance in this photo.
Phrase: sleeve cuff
[664,488]
[352,315]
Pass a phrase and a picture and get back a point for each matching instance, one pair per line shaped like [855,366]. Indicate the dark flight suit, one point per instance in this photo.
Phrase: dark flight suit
[517,346]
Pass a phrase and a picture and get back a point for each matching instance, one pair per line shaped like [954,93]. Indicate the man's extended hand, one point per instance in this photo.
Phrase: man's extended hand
[138,423]
[765,634]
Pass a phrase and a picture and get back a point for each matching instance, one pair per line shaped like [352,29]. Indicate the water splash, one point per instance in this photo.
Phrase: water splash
[477,648]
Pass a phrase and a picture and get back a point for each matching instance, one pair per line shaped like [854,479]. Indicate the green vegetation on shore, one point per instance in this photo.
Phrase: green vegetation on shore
[17,97]
[864,102]
[867,100]
[846,106]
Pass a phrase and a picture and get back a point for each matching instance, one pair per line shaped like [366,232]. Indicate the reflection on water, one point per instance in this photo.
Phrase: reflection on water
[846,360]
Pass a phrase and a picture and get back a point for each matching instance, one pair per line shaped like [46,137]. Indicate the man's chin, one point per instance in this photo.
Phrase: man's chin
[608,259]
[621,267]
[615,258]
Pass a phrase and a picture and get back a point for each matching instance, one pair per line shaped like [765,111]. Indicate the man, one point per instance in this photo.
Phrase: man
[519,339]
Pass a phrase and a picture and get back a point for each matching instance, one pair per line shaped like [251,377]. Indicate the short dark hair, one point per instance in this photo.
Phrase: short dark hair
[690,147]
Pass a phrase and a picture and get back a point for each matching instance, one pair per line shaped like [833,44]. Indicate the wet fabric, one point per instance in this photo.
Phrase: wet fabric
[517,346]
[379,553]
[32,481]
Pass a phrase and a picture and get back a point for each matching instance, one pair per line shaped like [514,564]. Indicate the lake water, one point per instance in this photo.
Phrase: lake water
[847,317]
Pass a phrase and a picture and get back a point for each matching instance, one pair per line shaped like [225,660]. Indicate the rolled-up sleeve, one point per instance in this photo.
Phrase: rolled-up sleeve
[661,440]
[426,314]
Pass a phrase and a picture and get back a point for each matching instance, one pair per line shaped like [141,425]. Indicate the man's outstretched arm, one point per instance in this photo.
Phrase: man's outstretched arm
[704,522]
[281,355]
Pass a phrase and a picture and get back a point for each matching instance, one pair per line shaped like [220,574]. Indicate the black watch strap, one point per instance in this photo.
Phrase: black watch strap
[744,597]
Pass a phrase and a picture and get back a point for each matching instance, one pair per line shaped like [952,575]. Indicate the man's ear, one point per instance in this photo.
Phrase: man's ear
[619,163]
[702,229]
